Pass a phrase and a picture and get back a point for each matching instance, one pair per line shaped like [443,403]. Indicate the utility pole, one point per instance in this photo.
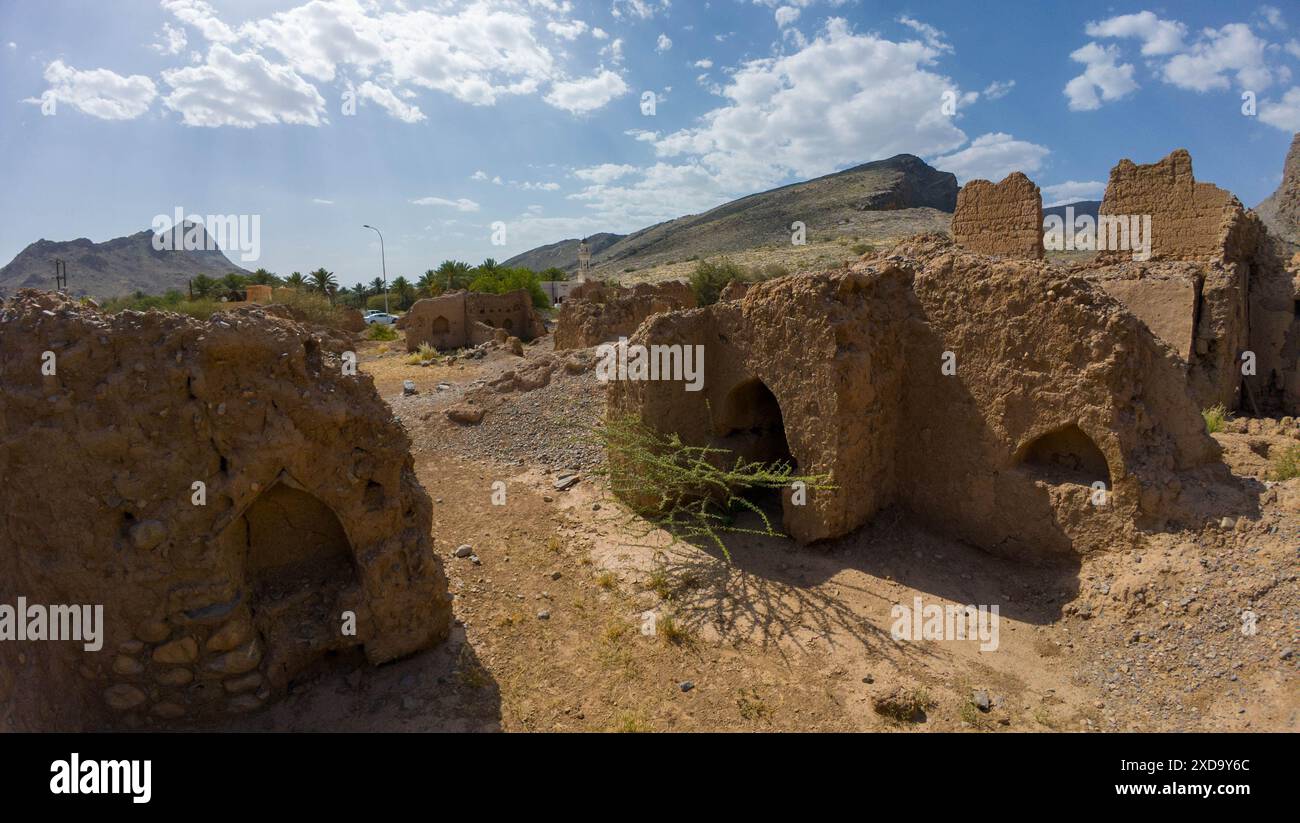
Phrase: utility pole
[60,274]
[382,262]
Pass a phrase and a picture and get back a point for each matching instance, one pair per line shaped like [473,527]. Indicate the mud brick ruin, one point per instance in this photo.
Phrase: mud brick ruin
[1004,218]
[596,313]
[310,508]
[461,319]
[1056,388]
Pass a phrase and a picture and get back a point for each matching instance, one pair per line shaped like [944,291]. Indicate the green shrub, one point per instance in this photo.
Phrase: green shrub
[1215,416]
[381,331]
[710,277]
[498,280]
[1286,464]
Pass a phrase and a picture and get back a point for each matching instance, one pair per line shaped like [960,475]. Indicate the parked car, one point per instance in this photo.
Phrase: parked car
[380,317]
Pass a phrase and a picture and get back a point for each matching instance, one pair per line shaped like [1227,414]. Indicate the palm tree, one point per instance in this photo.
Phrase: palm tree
[428,283]
[262,277]
[455,272]
[488,264]
[322,280]
[360,290]
[405,292]
[295,280]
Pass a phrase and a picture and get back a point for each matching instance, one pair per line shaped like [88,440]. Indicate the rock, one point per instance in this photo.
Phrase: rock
[1227,523]
[127,665]
[543,615]
[565,482]
[123,696]
[408,388]
[130,647]
[556,575]
[236,662]
[230,636]
[153,631]
[464,550]
[244,703]
[147,534]
[175,677]
[686,685]
[465,414]
[245,683]
[168,710]
[182,650]
[981,700]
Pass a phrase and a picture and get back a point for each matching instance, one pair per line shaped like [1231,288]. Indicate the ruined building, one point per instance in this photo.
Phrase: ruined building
[596,312]
[241,504]
[1004,219]
[463,318]
[992,397]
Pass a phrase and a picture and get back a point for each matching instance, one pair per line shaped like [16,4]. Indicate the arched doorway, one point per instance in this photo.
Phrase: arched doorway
[1066,455]
[440,325]
[750,423]
[300,572]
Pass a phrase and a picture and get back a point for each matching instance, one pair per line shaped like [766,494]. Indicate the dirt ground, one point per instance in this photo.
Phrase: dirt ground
[553,606]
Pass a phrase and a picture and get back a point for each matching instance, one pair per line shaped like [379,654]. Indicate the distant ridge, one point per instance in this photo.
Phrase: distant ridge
[116,267]
[901,182]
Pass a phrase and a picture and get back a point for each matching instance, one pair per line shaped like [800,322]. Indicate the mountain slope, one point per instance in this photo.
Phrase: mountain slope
[113,268]
[564,254]
[843,203]
[1281,211]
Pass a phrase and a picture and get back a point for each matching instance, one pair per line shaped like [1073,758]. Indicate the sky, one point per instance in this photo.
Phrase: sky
[483,128]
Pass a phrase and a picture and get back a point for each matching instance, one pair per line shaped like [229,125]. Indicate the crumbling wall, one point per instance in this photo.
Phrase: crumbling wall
[460,319]
[987,395]
[1004,218]
[223,489]
[598,313]
[1189,220]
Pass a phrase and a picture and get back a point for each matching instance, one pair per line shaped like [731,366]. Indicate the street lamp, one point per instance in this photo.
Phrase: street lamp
[382,262]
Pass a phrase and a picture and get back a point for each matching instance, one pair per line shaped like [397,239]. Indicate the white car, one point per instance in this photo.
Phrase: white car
[380,317]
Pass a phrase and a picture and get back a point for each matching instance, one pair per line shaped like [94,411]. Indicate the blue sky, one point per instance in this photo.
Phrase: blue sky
[437,120]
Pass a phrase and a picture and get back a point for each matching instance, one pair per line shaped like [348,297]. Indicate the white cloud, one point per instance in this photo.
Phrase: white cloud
[703,64]
[242,90]
[528,186]
[1283,114]
[1103,74]
[663,44]
[12,45]
[605,172]
[390,102]
[171,40]
[98,92]
[483,176]
[566,30]
[614,51]
[587,93]
[1158,36]
[1072,191]
[638,9]
[203,17]
[998,89]
[599,33]
[1272,17]
[322,202]
[459,204]
[786,15]
[993,157]
[933,37]
[1233,48]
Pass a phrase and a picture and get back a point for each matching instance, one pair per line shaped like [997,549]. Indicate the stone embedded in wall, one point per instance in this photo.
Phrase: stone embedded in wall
[598,313]
[311,510]
[1004,218]
[461,319]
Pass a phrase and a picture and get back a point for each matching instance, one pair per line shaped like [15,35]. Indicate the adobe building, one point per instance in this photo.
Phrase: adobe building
[1004,219]
[598,312]
[462,319]
[1053,391]
[242,507]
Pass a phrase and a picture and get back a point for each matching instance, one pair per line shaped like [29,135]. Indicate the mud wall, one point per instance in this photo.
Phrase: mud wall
[1004,219]
[596,313]
[460,319]
[213,603]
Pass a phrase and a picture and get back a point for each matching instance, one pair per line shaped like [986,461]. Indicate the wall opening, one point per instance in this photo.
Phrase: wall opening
[440,325]
[299,570]
[751,424]
[1066,455]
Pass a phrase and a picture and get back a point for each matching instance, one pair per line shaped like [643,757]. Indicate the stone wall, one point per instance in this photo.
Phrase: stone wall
[310,508]
[1004,218]
[460,319]
[598,313]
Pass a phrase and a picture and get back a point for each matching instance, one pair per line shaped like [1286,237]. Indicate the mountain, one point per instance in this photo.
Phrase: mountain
[839,204]
[1088,207]
[1281,211]
[562,255]
[115,267]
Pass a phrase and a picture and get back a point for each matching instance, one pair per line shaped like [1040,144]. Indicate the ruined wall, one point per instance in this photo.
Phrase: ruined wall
[1004,218]
[1055,387]
[311,508]
[460,319]
[1189,220]
[598,313]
